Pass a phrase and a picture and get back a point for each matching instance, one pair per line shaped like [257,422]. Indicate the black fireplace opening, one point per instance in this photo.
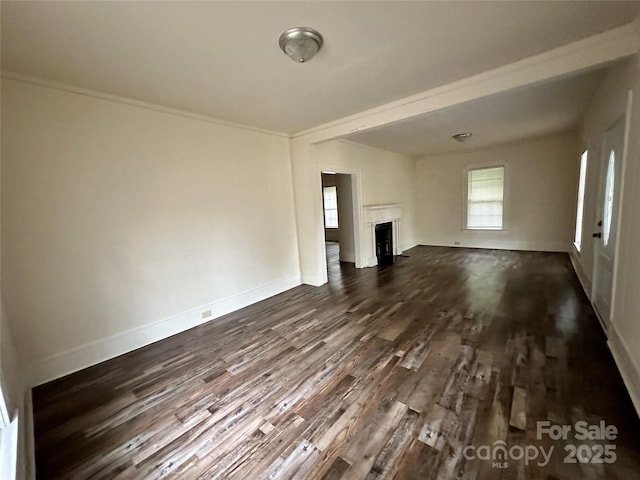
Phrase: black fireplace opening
[384,243]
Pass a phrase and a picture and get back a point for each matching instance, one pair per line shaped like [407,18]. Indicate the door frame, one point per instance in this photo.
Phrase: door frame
[356,199]
[618,218]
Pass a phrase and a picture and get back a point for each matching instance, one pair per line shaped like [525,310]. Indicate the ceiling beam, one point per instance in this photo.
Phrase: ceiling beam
[562,61]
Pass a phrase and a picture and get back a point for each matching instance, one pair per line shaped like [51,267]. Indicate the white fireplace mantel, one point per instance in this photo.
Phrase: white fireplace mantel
[374,215]
[382,213]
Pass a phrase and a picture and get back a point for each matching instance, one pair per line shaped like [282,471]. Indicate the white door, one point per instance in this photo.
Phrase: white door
[606,230]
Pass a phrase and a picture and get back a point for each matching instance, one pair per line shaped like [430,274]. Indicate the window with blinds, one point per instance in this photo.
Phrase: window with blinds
[485,198]
[330,195]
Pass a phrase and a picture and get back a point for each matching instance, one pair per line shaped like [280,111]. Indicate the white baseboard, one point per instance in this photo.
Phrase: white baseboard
[406,247]
[627,365]
[83,356]
[506,245]
[370,262]
[313,279]
[373,261]
[584,281]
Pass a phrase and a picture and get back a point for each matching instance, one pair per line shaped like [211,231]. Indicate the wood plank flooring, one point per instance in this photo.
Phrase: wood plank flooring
[383,373]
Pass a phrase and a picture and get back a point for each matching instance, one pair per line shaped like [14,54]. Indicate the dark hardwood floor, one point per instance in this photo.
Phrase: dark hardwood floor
[382,373]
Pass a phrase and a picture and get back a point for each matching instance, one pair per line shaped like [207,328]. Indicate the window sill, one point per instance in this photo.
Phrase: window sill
[486,230]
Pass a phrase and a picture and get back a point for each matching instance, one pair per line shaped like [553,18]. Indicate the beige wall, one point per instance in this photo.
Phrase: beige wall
[607,105]
[120,223]
[540,196]
[386,177]
[383,178]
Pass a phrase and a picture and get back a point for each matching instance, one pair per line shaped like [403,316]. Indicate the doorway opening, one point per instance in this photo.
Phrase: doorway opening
[339,223]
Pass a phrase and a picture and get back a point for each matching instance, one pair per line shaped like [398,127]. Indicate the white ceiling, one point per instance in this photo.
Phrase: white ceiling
[222,59]
[506,117]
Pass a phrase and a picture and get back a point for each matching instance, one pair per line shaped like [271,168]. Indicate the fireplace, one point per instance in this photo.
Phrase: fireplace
[379,219]
[384,243]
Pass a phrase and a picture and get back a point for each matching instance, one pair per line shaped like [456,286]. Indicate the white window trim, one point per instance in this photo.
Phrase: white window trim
[5,419]
[506,197]
[8,439]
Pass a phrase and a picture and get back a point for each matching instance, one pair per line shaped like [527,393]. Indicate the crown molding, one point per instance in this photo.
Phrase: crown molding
[565,60]
[65,87]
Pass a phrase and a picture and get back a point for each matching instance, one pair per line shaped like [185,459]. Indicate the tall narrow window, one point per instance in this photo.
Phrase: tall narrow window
[330,195]
[608,198]
[581,188]
[485,198]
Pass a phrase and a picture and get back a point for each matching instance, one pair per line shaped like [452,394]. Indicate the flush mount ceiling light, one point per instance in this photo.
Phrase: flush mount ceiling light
[461,137]
[300,43]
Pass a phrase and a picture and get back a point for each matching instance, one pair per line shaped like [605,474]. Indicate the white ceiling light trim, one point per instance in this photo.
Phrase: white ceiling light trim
[301,43]
[461,137]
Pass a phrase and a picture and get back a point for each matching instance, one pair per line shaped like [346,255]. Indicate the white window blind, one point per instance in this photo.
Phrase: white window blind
[485,198]
[330,207]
